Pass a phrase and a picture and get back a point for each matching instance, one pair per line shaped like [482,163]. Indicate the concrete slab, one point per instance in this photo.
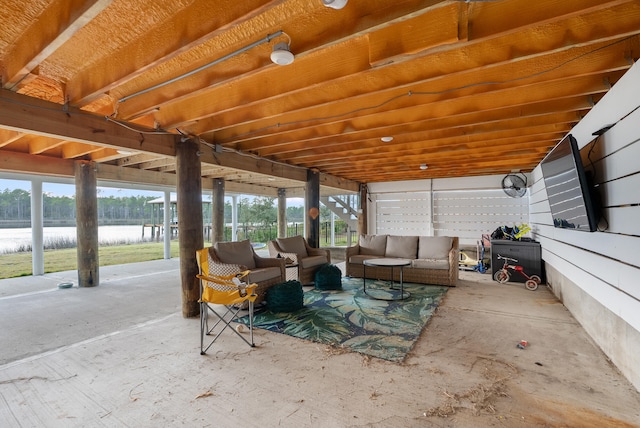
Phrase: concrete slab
[121,354]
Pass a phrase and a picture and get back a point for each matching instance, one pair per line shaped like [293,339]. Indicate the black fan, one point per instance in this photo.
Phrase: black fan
[515,185]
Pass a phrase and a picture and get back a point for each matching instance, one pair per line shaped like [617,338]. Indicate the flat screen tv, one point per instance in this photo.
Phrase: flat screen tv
[571,196]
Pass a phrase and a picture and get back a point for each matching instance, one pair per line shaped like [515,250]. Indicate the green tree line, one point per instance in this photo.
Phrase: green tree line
[259,211]
[16,205]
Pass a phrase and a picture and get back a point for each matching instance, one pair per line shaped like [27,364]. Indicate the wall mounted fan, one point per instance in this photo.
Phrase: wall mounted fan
[515,185]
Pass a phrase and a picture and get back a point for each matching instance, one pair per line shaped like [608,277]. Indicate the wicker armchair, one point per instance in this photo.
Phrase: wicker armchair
[227,258]
[297,252]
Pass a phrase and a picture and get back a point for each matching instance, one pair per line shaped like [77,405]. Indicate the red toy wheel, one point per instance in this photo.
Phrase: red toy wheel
[531,285]
[501,276]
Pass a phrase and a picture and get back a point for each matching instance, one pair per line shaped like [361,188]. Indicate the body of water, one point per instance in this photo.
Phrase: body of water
[12,239]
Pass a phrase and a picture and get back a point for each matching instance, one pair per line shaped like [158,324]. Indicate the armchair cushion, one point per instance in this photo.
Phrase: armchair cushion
[240,253]
[434,247]
[373,245]
[312,261]
[294,244]
[264,274]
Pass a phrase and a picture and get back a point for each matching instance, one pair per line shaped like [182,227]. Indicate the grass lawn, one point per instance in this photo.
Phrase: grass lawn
[20,264]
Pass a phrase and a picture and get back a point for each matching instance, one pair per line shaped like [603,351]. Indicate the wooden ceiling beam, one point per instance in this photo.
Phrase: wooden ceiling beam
[350,24]
[51,29]
[197,24]
[457,106]
[17,112]
[312,129]
[456,133]
[136,159]
[444,148]
[476,55]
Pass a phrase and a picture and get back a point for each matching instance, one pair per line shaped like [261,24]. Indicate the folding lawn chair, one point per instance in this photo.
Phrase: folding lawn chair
[224,296]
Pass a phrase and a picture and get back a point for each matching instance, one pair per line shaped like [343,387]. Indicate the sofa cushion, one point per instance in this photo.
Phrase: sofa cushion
[430,264]
[434,247]
[264,274]
[240,253]
[402,247]
[294,244]
[373,245]
[359,258]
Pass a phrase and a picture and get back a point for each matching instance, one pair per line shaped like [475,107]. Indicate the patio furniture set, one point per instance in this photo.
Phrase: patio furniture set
[417,259]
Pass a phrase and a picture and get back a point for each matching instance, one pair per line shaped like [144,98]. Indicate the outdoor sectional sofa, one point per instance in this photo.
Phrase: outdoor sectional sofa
[434,259]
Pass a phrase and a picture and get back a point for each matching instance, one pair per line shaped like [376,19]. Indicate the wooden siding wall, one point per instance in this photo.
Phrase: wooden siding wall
[596,275]
[462,207]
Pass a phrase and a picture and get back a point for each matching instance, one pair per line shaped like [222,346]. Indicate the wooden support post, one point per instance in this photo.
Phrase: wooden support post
[312,204]
[362,217]
[217,210]
[282,213]
[87,223]
[188,171]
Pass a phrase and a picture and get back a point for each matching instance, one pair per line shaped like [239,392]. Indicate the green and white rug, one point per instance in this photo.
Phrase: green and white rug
[352,320]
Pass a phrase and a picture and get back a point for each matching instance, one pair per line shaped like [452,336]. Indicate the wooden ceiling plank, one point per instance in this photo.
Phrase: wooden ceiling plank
[462,105]
[371,16]
[71,150]
[157,163]
[475,53]
[8,136]
[614,60]
[449,130]
[39,144]
[56,26]
[136,159]
[446,148]
[197,24]
[105,154]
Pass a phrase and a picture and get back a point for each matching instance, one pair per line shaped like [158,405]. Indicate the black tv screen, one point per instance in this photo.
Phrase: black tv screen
[569,193]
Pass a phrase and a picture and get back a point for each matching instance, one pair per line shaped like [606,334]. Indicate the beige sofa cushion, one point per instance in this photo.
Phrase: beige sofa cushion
[294,244]
[402,247]
[240,253]
[434,247]
[373,245]
[359,258]
[430,264]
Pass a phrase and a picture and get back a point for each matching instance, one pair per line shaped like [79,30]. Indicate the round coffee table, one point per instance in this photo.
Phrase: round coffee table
[390,263]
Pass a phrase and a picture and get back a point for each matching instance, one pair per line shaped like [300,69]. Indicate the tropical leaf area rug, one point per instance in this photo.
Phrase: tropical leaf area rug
[352,320]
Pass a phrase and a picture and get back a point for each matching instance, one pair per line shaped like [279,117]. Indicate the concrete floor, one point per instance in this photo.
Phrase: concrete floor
[122,355]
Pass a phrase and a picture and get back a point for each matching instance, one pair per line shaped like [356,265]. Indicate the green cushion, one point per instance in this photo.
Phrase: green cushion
[285,297]
[328,277]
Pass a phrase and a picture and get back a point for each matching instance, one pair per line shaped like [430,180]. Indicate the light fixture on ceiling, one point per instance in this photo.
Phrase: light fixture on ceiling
[335,4]
[423,166]
[386,139]
[281,54]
